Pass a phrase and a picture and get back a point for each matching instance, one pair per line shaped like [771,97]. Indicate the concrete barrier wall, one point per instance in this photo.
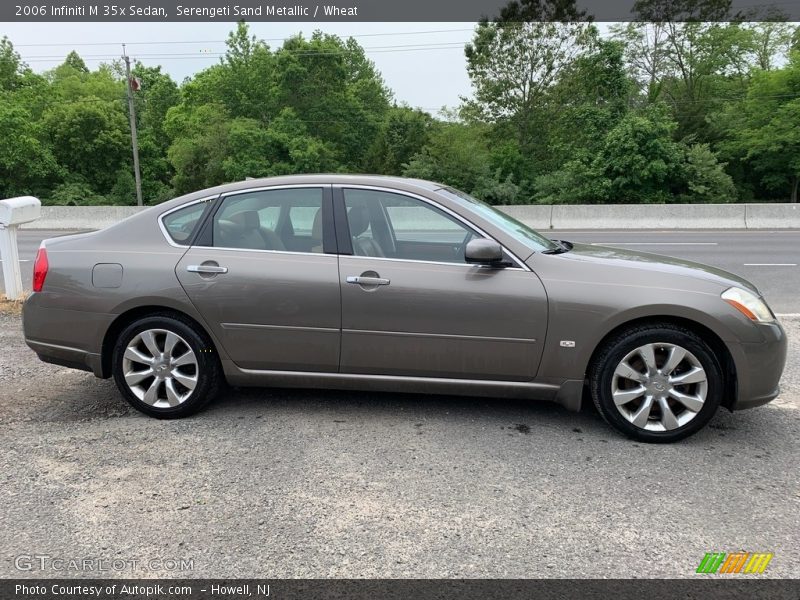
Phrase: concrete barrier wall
[574,216]
[538,216]
[81,217]
[772,216]
[659,216]
[649,216]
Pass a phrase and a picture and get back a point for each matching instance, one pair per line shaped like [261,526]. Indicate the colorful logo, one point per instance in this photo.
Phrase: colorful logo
[735,562]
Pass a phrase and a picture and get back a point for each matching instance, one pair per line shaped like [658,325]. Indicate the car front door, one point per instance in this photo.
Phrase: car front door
[411,305]
[265,278]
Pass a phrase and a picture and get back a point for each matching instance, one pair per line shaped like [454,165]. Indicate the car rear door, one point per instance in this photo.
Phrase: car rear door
[411,306]
[264,275]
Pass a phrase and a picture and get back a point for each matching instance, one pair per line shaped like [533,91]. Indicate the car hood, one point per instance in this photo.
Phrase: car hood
[654,263]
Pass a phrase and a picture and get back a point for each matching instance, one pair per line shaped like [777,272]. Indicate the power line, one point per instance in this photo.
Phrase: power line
[47,103]
[421,46]
[175,42]
[457,46]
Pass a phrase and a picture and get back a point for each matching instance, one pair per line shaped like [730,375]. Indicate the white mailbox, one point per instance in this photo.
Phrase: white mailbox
[14,212]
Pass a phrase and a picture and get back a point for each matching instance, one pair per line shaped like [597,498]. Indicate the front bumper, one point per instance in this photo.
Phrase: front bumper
[759,367]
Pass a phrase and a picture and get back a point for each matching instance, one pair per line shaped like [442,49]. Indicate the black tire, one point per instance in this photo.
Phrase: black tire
[615,349]
[207,372]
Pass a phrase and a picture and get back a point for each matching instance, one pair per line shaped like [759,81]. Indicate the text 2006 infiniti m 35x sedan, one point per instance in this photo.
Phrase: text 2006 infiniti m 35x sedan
[377,283]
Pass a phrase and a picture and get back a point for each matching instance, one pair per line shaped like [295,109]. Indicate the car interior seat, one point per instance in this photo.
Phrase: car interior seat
[358,217]
[316,233]
[243,230]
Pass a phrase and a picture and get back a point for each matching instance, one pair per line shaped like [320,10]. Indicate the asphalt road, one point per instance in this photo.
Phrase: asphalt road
[770,259]
[282,483]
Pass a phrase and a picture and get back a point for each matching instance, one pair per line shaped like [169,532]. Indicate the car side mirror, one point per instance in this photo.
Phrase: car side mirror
[484,252]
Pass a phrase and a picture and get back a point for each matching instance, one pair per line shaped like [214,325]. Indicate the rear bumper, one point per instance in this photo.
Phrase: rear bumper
[65,356]
[70,338]
[759,367]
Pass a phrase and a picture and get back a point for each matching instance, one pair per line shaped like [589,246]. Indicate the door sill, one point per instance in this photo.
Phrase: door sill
[390,383]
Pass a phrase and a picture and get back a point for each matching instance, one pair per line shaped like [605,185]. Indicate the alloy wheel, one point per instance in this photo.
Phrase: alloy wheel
[160,368]
[659,386]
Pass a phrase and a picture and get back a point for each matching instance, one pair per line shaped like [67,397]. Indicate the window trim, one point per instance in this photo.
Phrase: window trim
[343,239]
[328,239]
[341,209]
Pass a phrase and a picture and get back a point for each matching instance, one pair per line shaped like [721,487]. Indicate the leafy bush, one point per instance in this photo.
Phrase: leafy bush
[74,194]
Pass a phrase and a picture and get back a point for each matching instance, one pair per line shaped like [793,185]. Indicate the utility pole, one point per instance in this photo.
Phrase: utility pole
[132,114]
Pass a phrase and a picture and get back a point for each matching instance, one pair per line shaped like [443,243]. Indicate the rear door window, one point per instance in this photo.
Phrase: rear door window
[288,220]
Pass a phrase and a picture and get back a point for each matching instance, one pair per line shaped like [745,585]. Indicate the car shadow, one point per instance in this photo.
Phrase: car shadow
[76,397]
[523,417]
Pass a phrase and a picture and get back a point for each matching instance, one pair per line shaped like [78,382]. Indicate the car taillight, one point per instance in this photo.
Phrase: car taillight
[40,267]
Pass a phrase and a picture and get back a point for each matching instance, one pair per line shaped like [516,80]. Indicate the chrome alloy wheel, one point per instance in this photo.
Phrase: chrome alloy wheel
[160,368]
[659,387]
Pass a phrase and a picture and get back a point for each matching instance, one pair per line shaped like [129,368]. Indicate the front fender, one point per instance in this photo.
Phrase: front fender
[581,316]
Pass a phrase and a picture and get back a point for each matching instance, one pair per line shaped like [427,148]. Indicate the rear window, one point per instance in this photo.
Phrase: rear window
[181,224]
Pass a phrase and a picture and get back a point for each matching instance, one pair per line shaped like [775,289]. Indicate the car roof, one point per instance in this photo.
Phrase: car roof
[399,183]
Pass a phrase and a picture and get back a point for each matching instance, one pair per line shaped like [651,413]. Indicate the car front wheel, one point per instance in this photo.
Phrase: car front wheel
[656,382]
[164,367]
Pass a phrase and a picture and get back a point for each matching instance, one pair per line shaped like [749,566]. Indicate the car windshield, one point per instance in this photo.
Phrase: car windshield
[519,231]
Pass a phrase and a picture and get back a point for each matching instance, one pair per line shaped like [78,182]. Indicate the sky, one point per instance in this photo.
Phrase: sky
[422,63]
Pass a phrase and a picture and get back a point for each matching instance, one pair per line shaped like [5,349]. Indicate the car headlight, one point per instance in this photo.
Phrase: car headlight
[750,305]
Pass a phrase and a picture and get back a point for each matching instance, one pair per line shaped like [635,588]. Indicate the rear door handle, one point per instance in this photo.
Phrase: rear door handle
[206,269]
[361,280]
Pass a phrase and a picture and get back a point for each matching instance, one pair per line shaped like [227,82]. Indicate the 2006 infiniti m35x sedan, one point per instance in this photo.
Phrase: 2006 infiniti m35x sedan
[376,283]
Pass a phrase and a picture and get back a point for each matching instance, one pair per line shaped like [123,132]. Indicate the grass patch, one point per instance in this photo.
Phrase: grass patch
[10,307]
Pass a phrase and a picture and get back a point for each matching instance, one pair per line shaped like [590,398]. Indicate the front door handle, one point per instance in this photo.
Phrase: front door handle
[207,269]
[361,280]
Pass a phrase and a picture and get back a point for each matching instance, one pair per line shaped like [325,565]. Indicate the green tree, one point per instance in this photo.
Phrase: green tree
[26,164]
[761,132]
[283,148]
[513,66]
[705,178]
[335,91]
[247,77]
[11,65]
[658,11]
[771,40]
[323,90]
[592,96]
[89,139]
[75,62]
[518,11]
[637,162]
[458,155]
[403,133]
[199,147]
[74,194]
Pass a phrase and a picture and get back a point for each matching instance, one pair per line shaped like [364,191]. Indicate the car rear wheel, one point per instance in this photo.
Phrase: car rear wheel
[656,383]
[164,367]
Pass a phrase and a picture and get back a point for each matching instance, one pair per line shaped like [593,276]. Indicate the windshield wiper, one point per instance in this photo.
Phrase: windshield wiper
[561,247]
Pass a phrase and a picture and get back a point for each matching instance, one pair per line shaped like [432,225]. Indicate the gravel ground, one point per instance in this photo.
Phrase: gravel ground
[277,483]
